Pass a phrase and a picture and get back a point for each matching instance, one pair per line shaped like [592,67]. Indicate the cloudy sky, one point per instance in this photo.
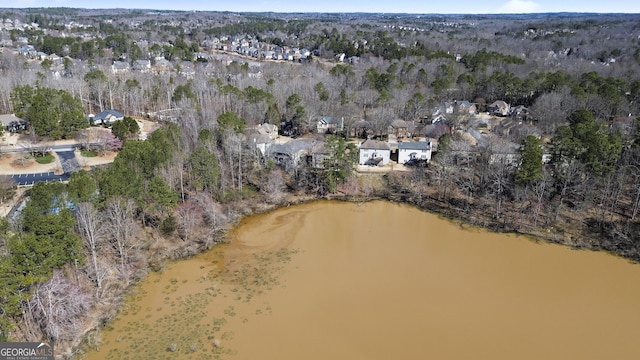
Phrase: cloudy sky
[396,6]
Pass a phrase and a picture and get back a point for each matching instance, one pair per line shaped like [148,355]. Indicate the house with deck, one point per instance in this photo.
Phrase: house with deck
[297,152]
[374,153]
[413,151]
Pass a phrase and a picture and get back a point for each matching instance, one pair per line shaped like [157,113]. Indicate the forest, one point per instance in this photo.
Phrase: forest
[569,174]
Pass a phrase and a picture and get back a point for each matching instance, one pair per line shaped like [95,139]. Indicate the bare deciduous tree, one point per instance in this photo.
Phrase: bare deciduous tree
[122,229]
[274,187]
[90,228]
[214,216]
[189,216]
[58,307]
[552,109]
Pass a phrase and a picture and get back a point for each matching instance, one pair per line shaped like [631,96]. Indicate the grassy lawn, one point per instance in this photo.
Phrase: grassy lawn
[44,159]
[88,153]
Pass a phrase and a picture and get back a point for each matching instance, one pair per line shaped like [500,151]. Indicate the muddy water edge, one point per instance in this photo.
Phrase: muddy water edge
[379,280]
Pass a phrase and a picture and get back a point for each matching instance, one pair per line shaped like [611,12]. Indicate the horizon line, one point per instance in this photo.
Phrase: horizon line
[326,12]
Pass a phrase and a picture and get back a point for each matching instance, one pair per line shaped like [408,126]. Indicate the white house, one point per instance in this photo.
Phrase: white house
[414,150]
[120,67]
[374,152]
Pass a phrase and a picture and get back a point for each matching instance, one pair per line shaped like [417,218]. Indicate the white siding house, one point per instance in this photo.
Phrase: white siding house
[414,150]
[374,152]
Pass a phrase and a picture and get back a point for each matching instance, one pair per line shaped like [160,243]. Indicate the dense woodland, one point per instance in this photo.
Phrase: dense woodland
[76,247]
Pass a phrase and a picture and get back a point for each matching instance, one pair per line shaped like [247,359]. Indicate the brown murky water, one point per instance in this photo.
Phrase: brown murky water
[380,281]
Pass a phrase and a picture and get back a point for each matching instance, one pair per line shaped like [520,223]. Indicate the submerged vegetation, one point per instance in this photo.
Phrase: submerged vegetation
[564,167]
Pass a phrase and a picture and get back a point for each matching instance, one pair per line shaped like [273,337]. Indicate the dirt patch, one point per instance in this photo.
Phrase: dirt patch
[20,163]
[86,162]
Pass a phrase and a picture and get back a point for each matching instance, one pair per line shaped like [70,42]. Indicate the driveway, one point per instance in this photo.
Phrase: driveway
[68,161]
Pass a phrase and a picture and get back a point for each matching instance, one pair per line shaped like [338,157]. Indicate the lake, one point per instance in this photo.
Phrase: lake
[380,280]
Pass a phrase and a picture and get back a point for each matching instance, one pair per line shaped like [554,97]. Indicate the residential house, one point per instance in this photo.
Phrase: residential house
[436,130]
[119,67]
[414,150]
[200,56]
[305,53]
[519,112]
[55,59]
[400,129]
[505,152]
[506,126]
[296,152]
[28,51]
[439,118]
[162,65]
[515,129]
[267,55]
[328,124]
[267,129]
[318,154]
[465,107]
[361,129]
[261,141]
[12,123]
[107,117]
[498,108]
[448,107]
[262,136]
[374,153]
[439,113]
[143,66]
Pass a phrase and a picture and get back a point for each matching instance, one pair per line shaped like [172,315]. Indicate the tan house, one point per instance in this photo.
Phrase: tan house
[498,108]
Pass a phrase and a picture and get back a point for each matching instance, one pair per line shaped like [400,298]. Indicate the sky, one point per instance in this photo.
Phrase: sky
[333,6]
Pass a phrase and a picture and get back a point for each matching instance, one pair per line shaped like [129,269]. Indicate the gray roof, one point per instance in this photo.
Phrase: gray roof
[7,119]
[399,123]
[120,65]
[329,120]
[375,145]
[259,138]
[414,145]
[293,147]
[106,113]
[464,103]
[266,128]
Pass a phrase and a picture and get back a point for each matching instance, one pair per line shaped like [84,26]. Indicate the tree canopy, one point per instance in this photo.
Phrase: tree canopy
[587,141]
[50,112]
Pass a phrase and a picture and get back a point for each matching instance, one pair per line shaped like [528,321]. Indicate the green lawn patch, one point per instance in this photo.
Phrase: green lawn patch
[88,153]
[44,159]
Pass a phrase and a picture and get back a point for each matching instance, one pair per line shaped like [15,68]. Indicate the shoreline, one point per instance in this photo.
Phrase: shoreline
[105,310]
